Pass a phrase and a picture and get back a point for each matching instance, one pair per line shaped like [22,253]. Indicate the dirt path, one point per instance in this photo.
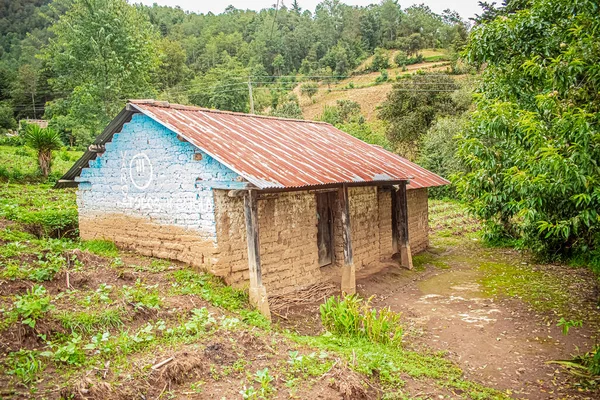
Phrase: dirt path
[500,342]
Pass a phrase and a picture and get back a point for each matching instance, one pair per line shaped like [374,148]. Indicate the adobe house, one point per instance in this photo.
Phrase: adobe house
[275,202]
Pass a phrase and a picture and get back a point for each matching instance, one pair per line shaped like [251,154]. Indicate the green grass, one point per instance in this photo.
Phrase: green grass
[19,164]
[389,363]
[44,211]
[546,291]
[90,321]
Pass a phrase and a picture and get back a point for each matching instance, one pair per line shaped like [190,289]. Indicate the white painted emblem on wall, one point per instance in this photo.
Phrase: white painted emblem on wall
[140,171]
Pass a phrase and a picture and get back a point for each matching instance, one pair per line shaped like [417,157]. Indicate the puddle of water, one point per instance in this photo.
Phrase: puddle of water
[456,284]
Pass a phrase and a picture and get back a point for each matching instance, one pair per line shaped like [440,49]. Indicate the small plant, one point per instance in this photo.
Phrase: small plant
[566,325]
[352,316]
[263,377]
[32,306]
[200,321]
[142,296]
[249,393]
[24,364]
[71,352]
[100,344]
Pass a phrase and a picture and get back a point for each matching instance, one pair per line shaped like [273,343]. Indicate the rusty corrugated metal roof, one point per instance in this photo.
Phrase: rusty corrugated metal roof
[284,153]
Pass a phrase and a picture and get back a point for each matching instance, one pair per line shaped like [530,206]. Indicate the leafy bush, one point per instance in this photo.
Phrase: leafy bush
[309,89]
[32,306]
[354,317]
[381,60]
[401,58]
[71,352]
[383,77]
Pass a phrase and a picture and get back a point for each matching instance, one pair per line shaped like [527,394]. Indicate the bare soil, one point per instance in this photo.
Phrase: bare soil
[500,342]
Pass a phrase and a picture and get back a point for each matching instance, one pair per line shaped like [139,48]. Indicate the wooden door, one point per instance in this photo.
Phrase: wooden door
[325,204]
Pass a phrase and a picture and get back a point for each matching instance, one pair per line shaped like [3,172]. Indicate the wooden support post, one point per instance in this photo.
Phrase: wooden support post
[258,293]
[348,269]
[400,235]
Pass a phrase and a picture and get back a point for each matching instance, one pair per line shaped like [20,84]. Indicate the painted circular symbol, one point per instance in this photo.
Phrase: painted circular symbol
[140,171]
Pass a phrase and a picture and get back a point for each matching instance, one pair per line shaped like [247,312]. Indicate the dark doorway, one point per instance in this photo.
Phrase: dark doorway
[325,206]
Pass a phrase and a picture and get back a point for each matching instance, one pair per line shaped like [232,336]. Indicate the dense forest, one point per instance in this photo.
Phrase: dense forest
[74,62]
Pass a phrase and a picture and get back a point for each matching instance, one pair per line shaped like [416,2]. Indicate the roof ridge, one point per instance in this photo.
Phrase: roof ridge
[175,106]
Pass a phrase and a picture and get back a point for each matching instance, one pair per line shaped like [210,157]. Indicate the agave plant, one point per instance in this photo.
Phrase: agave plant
[44,141]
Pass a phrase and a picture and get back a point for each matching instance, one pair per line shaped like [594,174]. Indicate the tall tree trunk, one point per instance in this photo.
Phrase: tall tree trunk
[44,159]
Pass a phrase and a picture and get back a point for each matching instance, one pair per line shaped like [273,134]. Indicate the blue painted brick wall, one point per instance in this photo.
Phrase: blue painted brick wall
[147,172]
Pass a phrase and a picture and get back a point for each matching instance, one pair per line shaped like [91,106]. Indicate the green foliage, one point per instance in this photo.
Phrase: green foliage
[25,365]
[531,147]
[216,292]
[103,248]
[414,103]
[566,325]
[87,322]
[142,296]
[102,52]
[19,164]
[44,141]
[437,152]
[354,317]
[289,109]
[32,306]
[71,352]
[44,211]
[381,60]
[388,364]
[7,120]
[263,377]
[309,89]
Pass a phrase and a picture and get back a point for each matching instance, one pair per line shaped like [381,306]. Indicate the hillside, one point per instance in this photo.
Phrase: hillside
[363,88]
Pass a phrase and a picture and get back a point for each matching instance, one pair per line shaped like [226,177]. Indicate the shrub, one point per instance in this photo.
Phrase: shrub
[32,306]
[352,316]
[44,141]
[309,89]
[401,58]
[381,60]
[383,77]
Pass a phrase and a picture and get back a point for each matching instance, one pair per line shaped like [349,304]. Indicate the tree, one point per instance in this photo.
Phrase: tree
[172,69]
[7,120]
[390,19]
[25,87]
[412,106]
[102,53]
[44,141]
[223,87]
[309,89]
[438,151]
[532,145]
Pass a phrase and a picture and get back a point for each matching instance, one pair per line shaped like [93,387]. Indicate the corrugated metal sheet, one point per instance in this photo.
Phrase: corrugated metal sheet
[285,153]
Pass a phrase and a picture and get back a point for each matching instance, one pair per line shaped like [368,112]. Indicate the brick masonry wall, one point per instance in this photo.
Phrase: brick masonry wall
[418,219]
[152,193]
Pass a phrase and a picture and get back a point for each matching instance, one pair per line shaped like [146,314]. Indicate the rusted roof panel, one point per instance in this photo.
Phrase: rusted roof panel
[284,153]
[422,178]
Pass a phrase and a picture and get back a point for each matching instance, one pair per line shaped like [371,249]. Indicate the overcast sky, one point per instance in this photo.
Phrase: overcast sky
[466,8]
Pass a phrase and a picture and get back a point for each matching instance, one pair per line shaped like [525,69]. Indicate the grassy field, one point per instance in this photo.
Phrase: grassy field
[19,163]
